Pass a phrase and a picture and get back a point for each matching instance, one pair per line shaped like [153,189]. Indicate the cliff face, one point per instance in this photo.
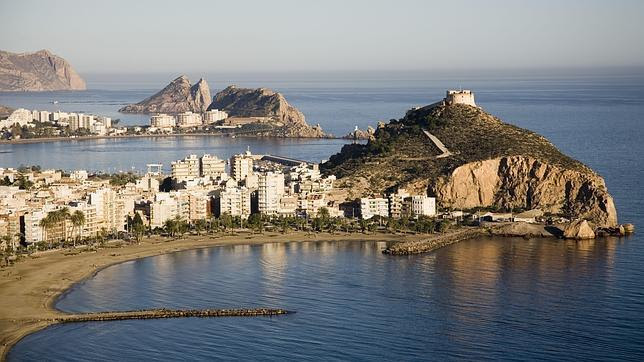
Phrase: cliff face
[524,182]
[468,158]
[39,71]
[263,102]
[178,96]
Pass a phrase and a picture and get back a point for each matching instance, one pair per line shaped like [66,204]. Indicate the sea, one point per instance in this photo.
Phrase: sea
[481,299]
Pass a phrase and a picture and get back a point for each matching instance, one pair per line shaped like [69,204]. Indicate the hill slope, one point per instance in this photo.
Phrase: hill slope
[178,96]
[479,161]
[38,71]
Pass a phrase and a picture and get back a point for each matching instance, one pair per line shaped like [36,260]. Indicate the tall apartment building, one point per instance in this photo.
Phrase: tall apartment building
[92,225]
[186,169]
[188,119]
[241,166]
[192,205]
[234,201]
[370,207]
[212,166]
[270,191]
[214,115]
[109,209]
[164,207]
[396,202]
[163,121]
[193,167]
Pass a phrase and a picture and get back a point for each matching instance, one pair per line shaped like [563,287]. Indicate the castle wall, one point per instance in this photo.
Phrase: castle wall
[460,97]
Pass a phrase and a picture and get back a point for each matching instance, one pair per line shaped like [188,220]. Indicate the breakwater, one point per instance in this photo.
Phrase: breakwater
[433,243]
[169,313]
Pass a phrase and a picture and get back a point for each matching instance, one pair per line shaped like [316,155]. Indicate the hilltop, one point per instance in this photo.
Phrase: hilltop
[178,96]
[38,71]
[468,158]
[265,103]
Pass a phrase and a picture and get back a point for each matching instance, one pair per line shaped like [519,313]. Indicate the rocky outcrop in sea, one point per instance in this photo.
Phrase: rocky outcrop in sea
[178,96]
[38,71]
[265,103]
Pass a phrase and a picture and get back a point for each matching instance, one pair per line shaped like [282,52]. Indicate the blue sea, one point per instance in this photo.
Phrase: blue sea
[483,299]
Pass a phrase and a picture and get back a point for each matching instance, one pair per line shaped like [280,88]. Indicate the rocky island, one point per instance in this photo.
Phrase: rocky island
[265,106]
[178,96]
[38,71]
[468,159]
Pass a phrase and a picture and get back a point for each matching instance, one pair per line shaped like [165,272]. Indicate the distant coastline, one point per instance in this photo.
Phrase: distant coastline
[85,138]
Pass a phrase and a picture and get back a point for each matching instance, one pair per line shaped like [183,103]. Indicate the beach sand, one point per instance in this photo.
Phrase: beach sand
[28,289]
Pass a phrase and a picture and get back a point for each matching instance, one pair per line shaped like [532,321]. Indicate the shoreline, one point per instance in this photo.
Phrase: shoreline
[200,134]
[30,289]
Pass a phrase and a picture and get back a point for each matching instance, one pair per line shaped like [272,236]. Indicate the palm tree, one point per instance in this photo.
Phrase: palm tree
[45,223]
[78,220]
[64,215]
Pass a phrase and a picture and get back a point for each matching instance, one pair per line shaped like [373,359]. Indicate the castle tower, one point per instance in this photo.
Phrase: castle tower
[463,96]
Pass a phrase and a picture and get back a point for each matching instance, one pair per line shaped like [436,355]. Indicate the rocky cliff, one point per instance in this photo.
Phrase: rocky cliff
[468,159]
[39,71]
[265,103]
[178,96]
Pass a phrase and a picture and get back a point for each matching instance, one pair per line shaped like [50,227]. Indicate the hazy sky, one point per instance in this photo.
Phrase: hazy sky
[275,35]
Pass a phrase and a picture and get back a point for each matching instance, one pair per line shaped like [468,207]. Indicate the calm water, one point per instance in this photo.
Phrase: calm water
[478,300]
[481,299]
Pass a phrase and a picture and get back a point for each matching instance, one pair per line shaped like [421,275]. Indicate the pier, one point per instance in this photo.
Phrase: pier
[168,313]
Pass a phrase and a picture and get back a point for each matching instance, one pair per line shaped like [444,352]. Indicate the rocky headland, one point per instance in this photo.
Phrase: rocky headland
[178,96]
[287,120]
[37,71]
[468,159]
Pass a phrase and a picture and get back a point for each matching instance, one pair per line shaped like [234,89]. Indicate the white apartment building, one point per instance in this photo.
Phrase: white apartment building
[241,166]
[270,191]
[78,175]
[422,205]
[163,208]
[32,230]
[20,116]
[214,115]
[370,207]
[212,166]
[234,201]
[186,169]
[189,119]
[163,121]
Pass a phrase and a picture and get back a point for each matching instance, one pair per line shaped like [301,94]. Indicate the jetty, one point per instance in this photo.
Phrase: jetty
[433,243]
[168,313]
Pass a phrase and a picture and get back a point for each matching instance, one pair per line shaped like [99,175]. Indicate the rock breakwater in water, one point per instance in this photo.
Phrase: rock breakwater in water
[169,313]
[433,243]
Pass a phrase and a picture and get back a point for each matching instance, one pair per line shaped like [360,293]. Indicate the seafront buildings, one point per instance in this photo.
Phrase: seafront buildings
[196,188]
[58,123]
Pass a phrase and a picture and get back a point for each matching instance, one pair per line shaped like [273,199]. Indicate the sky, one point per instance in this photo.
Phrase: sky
[287,35]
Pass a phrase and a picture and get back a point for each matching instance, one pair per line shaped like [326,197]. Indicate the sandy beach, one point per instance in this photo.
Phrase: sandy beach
[28,289]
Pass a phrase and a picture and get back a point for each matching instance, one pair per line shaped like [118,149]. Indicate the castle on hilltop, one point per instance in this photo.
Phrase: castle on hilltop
[463,96]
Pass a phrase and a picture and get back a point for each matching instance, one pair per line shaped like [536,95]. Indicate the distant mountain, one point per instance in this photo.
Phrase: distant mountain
[178,96]
[39,71]
[265,103]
